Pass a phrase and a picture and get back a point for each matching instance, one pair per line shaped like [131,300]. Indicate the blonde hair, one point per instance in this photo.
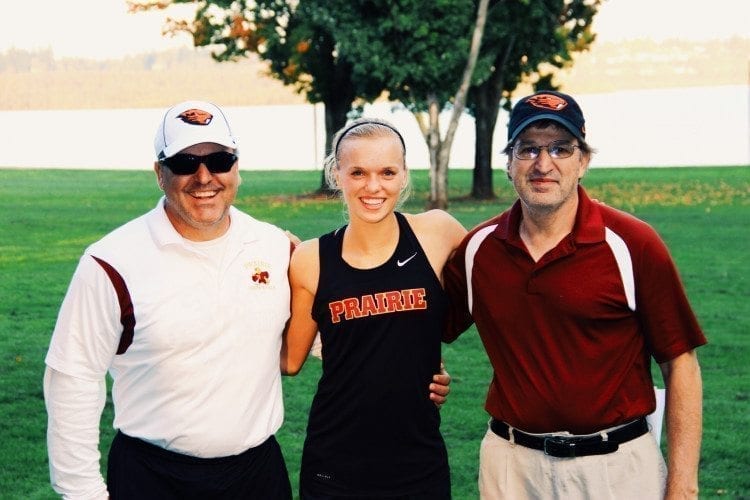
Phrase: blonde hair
[364,127]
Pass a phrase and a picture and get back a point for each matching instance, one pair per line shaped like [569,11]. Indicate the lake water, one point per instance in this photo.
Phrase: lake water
[667,127]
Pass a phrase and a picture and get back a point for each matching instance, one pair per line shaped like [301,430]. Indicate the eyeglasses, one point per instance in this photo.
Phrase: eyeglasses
[186,164]
[557,150]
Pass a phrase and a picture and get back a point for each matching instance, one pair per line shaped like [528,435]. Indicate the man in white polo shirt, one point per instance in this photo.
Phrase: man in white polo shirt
[184,306]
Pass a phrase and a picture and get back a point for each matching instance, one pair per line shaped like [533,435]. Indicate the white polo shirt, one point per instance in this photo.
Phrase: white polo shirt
[201,376]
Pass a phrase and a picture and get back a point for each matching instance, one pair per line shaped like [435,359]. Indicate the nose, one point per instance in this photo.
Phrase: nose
[203,175]
[373,184]
[544,162]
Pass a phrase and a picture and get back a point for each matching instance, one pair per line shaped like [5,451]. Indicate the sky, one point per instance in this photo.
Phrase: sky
[103,29]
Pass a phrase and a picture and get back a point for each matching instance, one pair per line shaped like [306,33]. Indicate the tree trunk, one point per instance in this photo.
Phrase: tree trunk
[440,149]
[442,177]
[336,109]
[438,177]
[486,99]
[338,102]
[487,105]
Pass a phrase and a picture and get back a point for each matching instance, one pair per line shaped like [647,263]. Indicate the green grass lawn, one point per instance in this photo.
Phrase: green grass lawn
[47,218]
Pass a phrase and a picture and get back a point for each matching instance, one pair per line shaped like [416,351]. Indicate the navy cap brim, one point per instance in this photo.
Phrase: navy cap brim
[547,116]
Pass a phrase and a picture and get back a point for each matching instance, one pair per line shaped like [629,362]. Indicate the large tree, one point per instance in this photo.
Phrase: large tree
[523,38]
[422,53]
[341,52]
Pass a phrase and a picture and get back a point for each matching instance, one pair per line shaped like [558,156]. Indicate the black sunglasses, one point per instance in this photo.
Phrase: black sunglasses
[185,164]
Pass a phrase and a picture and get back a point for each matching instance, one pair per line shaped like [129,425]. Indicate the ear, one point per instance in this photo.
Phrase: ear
[584,166]
[159,177]
[336,178]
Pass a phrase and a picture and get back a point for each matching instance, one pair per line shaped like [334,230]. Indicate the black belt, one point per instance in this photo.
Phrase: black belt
[573,446]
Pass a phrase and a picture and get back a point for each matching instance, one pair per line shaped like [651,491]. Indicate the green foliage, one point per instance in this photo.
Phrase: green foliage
[341,51]
[521,37]
[406,47]
[411,48]
[295,38]
[47,218]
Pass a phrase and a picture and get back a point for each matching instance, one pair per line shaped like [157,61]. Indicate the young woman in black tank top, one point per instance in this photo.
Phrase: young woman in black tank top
[373,290]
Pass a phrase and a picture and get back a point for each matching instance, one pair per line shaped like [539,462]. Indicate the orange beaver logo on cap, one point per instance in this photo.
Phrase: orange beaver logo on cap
[196,117]
[547,101]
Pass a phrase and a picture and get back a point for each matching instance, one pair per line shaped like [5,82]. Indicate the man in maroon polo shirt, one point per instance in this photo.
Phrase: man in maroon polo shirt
[572,299]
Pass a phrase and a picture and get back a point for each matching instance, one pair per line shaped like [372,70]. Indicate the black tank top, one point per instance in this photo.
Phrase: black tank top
[372,428]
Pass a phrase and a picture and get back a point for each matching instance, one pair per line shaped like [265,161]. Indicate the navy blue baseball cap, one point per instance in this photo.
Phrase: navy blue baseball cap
[547,105]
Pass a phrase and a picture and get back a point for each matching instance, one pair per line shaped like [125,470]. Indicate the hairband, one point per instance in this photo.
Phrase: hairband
[343,134]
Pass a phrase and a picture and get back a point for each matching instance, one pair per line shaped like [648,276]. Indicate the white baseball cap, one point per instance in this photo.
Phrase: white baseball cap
[190,123]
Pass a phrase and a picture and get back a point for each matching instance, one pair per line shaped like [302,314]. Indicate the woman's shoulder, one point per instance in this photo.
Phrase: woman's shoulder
[435,220]
[434,215]
[437,230]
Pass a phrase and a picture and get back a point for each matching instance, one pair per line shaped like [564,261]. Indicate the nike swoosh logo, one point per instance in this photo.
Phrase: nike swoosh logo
[401,263]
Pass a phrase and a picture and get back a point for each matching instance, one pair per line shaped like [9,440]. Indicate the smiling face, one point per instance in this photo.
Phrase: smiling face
[198,204]
[371,174]
[546,185]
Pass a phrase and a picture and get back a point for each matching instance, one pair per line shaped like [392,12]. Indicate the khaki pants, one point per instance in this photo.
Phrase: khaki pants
[509,471]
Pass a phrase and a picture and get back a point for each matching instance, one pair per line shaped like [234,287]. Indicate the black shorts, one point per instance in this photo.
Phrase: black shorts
[139,470]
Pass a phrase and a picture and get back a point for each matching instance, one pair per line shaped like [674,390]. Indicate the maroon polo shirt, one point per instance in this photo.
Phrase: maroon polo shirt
[571,337]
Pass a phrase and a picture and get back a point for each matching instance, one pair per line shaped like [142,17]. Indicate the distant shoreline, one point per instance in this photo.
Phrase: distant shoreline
[36,80]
